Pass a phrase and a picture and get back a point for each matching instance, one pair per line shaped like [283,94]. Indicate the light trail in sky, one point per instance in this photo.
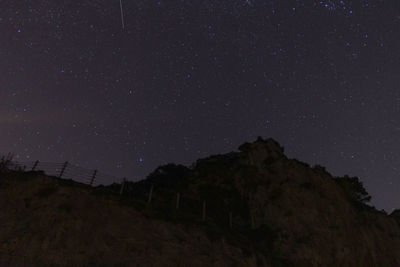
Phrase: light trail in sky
[122,14]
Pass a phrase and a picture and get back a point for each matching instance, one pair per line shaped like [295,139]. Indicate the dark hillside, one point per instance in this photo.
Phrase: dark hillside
[254,207]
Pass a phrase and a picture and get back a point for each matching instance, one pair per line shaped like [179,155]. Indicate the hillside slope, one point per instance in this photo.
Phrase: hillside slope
[261,209]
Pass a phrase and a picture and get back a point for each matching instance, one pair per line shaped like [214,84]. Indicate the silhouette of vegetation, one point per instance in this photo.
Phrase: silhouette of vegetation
[353,189]
[320,169]
[5,163]
[300,163]
[231,185]
[169,177]
[166,178]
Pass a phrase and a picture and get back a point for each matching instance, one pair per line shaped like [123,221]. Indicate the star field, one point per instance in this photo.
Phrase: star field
[185,79]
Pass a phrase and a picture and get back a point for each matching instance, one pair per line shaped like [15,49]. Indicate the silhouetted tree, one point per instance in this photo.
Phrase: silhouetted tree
[353,189]
[168,175]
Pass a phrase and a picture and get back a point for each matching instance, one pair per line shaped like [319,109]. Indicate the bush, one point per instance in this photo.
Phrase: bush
[353,189]
[6,162]
[320,169]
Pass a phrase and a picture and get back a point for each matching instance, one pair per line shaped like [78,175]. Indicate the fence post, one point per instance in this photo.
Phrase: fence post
[122,186]
[151,193]
[93,176]
[63,169]
[35,165]
[178,196]
[204,211]
[252,222]
[230,219]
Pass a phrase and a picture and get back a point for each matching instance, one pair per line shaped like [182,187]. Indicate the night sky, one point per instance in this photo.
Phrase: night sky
[186,79]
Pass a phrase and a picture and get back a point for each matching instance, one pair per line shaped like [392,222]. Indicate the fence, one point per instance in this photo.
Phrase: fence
[66,170]
[202,209]
[154,200]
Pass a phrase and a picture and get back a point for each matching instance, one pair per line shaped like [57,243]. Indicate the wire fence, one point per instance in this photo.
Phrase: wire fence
[215,209]
[201,207]
[67,170]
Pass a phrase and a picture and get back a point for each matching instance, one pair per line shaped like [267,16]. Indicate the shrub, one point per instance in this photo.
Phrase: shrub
[6,162]
[320,169]
[353,189]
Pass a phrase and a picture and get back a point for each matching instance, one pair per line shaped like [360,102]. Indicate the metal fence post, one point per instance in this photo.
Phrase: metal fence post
[230,219]
[178,196]
[150,193]
[35,165]
[63,169]
[122,186]
[93,176]
[204,211]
